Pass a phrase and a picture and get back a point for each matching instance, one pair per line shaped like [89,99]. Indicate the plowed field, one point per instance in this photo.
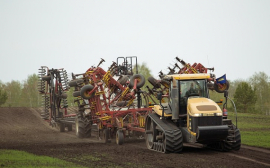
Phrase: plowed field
[23,129]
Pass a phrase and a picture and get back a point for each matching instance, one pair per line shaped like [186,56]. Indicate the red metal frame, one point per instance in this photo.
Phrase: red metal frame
[104,87]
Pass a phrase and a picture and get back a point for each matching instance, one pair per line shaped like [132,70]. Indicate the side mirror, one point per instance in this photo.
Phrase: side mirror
[159,95]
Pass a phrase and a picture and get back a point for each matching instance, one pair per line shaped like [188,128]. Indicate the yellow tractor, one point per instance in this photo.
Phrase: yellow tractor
[189,116]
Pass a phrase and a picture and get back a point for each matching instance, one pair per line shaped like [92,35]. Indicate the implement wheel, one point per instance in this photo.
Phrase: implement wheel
[165,83]
[64,96]
[119,137]
[75,82]
[123,79]
[154,82]
[62,127]
[85,90]
[79,127]
[69,126]
[76,93]
[140,78]
[122,103]
[106,135]
[46,78]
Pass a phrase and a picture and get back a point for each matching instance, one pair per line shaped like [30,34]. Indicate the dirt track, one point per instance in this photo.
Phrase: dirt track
[23,129]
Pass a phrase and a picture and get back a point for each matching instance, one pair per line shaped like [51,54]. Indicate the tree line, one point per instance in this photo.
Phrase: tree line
[250,96]
[20,94]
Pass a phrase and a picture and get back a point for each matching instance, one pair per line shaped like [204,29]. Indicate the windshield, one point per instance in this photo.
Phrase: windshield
[193,88]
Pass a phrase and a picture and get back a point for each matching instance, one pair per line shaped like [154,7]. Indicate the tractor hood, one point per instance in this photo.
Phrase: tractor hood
[200,106]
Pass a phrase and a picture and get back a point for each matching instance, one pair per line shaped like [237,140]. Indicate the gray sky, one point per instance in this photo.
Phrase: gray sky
[231,35]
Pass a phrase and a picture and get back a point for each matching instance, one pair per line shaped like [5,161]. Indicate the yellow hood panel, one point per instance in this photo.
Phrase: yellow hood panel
[203,107]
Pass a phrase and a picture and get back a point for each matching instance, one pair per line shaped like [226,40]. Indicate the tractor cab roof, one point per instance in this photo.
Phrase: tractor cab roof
[189,76]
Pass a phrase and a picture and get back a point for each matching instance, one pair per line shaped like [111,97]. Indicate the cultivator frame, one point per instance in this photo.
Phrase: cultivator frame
[53,84]
[114,105]
[162,84]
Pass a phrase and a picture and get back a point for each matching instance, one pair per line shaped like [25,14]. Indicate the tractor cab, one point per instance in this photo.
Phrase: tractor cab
[190,89]
[183,89]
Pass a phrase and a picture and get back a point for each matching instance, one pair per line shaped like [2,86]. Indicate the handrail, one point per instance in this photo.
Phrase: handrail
[234,110]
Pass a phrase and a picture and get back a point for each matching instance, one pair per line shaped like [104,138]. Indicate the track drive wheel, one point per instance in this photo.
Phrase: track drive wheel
[150,133]
[119,137]
[164,139]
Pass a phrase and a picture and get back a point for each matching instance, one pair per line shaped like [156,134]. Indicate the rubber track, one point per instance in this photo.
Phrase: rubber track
[233,141]
[173,136]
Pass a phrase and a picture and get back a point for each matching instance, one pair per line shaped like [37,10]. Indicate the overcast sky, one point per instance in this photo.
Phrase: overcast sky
[231,35]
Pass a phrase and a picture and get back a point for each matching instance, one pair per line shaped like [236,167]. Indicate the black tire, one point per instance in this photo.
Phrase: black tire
[178,143]
[140,78]
[85,90]
[87,129]
[119,137]
[76,93]
[234,135]
[122,103]
[154,82]
[64,96]
[79,127]
[105,135]
[69,126]
[237,145]
[75,82]
[62,127]
[228,145]
[123,79]
[82,127]
[165,83]
[221,88]
[46,78]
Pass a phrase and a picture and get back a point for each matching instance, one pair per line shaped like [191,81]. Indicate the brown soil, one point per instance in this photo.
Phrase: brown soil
[23,129]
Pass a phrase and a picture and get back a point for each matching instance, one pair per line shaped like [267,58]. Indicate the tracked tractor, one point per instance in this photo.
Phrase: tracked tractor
[189,116]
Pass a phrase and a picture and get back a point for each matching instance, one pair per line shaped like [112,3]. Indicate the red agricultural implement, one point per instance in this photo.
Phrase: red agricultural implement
[53,85]
[213,83]
[110,99]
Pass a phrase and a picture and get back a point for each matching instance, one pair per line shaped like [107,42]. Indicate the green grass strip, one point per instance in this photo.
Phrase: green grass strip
[256,138]
[254,129]
[15,158]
